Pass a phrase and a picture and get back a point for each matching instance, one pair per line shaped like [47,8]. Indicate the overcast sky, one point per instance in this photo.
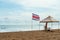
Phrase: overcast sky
[20,11]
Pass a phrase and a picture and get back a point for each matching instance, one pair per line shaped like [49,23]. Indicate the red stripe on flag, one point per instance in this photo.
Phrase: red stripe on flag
[37,17]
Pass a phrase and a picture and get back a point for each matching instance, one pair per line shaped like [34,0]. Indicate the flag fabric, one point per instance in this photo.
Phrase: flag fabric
[35,17]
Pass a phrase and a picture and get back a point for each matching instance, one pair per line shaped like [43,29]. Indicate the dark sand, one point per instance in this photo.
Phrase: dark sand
[31,35]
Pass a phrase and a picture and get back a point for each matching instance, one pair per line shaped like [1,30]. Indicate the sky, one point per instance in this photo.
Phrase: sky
[20,11]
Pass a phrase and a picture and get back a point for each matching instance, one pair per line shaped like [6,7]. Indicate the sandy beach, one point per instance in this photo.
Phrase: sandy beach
[31,35]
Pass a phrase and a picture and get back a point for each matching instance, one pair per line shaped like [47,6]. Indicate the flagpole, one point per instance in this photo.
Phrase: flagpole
[31,24]
[39,25]
[34,17]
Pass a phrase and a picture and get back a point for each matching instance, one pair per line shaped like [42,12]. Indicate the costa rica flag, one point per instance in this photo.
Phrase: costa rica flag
[35,17]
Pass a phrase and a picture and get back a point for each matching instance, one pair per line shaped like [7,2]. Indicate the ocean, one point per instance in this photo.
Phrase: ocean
[14,28]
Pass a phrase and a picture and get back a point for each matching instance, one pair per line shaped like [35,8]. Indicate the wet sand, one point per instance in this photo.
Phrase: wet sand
[31,35]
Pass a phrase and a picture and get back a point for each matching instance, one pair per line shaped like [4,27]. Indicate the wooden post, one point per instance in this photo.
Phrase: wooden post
[58,26]
[39,26]
[46,25]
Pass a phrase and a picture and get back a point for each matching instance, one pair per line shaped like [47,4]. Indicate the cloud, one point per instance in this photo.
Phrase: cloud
[16,20]
[21,10]
[36,3]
